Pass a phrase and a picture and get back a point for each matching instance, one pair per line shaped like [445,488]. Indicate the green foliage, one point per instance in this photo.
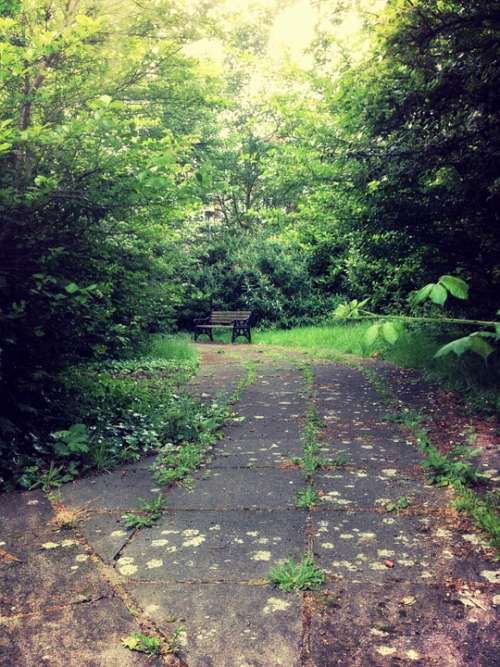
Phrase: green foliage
[137,641]
[401,503]
[338,461]
[292,576]
[483,510]
[197,431]
[447,469]
[74,440]
[150,512]
[95,174]
[119,409]
[349,310]
[306,498]
[474,342]
[388,331]
[53,477]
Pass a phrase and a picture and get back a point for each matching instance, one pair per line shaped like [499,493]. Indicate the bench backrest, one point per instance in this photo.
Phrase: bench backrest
[228,316]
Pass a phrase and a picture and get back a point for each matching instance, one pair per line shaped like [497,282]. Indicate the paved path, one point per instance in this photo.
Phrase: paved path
[414,588]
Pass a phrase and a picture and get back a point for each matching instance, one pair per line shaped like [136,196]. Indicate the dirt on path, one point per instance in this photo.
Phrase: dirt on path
[408,587]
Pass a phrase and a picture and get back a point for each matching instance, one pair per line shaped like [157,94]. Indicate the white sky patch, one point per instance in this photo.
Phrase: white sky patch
[292,33]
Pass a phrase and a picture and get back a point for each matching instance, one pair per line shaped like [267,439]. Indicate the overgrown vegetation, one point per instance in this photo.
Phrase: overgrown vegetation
[117,411]
[307,498]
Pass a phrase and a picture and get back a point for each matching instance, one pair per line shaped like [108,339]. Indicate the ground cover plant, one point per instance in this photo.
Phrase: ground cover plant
[118,410]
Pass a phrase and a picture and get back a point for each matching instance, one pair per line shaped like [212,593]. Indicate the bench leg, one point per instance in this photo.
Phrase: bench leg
[241,331]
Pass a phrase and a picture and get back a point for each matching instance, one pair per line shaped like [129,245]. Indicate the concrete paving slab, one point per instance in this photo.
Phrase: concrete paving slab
[253,453]
[238,488]
[121,489]
[265,431]
[211,546]
[24,514]
[81,635]
[340,389]
[228,625]
[106,533]
[45,570]
[404,623]
[377,547]
[384,451]
[374,489]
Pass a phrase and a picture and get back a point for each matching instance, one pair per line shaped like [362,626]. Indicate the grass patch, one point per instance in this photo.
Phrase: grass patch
[147,644]
[320,341]
[177,348]
[301,576]
[482,510]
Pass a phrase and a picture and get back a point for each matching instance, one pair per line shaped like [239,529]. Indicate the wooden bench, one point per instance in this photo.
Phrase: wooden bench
[237,320]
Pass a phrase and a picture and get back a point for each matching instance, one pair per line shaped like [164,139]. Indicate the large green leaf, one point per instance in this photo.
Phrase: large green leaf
[480,346]
[458,347]
[372,333]
[473,343]
[455,286]
[390,332]
[438,294]
[422,294]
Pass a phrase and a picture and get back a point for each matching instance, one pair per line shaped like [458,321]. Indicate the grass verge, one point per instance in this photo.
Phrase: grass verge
[455,469]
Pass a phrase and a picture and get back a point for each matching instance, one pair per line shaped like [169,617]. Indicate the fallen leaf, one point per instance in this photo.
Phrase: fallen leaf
[9,557]
[408,600]
[468,600]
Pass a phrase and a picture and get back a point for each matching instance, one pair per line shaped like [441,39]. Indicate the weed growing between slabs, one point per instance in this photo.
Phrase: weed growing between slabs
[304,575]
[311,461]
[307,498]
[149,512]
[151,645]
[137,641]
[301,576]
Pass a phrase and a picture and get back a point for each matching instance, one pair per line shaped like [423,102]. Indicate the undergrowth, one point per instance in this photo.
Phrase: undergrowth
[112,412]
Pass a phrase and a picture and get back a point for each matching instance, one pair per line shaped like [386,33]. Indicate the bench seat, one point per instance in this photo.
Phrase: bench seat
[237,320]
